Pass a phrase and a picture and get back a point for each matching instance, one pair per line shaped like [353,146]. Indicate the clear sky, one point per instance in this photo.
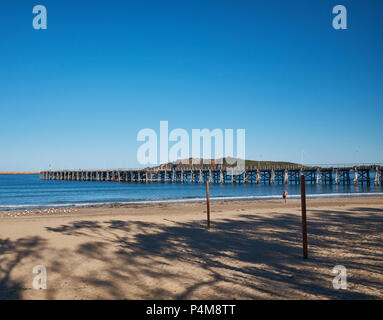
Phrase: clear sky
[75,95]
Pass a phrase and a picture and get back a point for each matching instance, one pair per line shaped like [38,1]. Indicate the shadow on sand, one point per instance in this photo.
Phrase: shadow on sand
[248,257]
[11,254]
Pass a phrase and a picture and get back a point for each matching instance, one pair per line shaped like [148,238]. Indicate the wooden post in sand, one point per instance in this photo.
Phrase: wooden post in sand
[208,205]
[304,224]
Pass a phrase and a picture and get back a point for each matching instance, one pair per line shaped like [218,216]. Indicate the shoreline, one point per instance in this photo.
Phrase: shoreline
[259,203]
[4,208]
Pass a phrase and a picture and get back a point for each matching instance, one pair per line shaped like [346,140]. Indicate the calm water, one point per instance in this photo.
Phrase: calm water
[28,191]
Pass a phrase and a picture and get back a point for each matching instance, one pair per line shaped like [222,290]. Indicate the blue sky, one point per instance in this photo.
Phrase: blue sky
[75,95]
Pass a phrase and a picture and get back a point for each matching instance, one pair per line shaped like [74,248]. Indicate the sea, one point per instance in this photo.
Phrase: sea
[29,192]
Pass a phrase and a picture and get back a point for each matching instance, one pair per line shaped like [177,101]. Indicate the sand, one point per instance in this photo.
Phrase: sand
[164,251]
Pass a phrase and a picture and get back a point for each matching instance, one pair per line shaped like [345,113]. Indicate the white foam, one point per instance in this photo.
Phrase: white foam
[183,200]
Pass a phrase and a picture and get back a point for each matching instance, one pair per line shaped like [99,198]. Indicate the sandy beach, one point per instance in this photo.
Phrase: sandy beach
[164,251]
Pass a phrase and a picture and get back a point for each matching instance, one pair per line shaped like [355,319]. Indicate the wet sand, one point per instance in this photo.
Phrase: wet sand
[164,251]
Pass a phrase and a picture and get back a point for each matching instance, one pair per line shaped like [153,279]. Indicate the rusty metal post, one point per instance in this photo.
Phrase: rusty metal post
[304,223]
[208,205]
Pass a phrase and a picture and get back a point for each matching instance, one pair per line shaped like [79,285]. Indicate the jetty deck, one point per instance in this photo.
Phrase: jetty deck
[358,174]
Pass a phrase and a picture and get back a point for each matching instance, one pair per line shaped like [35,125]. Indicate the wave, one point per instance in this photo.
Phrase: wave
[185,200]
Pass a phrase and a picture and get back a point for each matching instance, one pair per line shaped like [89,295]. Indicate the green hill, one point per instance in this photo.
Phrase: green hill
[227,163]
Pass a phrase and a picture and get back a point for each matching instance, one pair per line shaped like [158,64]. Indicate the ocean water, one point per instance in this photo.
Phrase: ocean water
[28,191]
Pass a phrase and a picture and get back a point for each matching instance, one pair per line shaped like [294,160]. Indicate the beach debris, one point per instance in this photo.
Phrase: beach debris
[46,211]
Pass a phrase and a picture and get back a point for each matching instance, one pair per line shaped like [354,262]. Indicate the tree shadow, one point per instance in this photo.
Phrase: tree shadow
[257,255]
[11,255]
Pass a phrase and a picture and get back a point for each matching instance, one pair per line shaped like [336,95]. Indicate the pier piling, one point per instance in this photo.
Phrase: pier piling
[359,175]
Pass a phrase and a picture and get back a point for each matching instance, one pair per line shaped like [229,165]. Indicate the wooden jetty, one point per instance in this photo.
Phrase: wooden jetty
[346,175]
